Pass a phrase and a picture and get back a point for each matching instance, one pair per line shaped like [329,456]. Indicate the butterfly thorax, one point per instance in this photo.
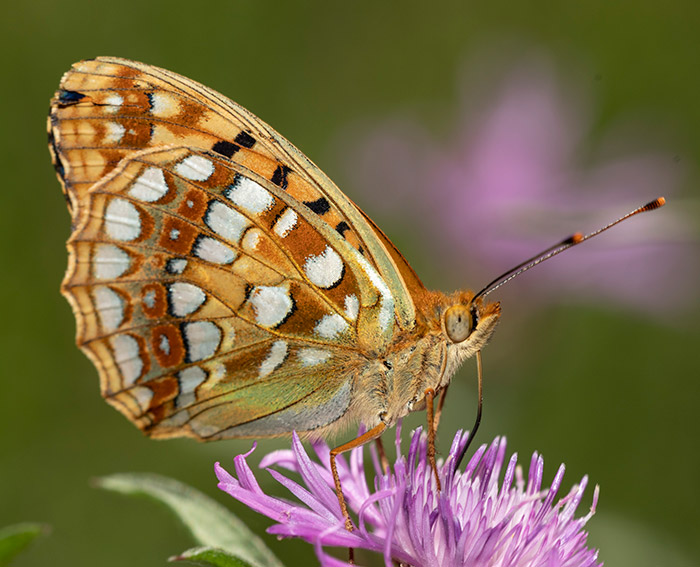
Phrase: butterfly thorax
[394,384]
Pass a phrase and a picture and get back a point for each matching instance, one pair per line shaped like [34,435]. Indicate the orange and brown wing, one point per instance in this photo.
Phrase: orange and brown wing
[108,108]
[222,284]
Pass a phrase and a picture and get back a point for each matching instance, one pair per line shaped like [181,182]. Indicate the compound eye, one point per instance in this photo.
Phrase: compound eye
[458,323]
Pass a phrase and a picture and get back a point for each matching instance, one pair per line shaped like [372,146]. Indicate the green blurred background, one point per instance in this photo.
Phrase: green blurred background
[611,392]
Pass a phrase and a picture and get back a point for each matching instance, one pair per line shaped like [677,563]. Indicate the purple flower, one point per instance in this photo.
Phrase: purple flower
[521,172]
[476,520]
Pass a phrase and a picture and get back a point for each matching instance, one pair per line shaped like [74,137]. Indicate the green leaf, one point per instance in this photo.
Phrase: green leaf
[14,539]
[211,524]
[210,557]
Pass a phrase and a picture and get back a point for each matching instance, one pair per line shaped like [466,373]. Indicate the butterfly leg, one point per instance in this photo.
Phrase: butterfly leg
[441,404]
[432,426]
[368,436]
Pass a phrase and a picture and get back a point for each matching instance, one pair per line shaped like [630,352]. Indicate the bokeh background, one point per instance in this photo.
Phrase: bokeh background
[474,135]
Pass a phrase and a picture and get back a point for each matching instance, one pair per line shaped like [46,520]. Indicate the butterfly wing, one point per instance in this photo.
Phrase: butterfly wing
[108,107]
[223,286]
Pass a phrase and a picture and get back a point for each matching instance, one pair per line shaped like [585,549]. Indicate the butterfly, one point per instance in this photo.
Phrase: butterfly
[222,284]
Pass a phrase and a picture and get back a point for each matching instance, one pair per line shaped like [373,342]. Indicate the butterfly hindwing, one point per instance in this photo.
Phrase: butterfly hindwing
[207,300]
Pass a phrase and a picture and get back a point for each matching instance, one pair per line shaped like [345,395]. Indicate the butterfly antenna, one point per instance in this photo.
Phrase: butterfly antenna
[558,248]
[477,421]
[550,252]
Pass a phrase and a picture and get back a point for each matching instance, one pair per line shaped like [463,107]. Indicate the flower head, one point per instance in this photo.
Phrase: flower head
[475,520]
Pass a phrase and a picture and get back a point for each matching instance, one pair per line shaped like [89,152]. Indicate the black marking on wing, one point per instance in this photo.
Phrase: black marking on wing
[151,102]
[68,98]
[342,227]
[248,291]
[244,139]
[57,163]
[279,177]
[225,148]
[320,206]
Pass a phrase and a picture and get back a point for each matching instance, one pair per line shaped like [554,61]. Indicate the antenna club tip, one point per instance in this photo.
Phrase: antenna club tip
[655,204]
[576,238]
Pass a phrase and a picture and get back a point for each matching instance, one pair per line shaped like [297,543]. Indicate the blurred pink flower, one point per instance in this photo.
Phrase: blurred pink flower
[512,181]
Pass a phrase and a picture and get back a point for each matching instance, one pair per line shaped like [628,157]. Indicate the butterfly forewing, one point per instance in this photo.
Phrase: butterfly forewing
[108,108]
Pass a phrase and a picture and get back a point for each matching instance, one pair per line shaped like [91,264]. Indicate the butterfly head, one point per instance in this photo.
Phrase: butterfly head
[468,323]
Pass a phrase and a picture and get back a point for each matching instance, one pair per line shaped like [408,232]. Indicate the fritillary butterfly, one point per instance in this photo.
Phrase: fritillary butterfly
[223,286]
